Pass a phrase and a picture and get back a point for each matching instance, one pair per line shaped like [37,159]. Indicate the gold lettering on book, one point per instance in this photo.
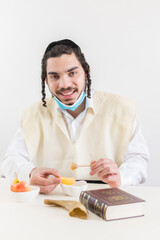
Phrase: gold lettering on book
[98,208]
[108,192]
[112,195]
[104,212]
[85,199]
[117,197]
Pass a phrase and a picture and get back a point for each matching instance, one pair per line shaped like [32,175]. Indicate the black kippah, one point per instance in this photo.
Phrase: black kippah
[65,42]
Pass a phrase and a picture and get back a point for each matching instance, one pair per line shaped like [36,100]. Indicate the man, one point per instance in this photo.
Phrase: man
[76,125]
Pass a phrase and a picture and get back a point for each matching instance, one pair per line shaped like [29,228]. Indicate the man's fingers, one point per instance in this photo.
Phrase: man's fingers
[40,181]
[53,172]
[95,164]
[113,180]
[109,177]
[40,177]
[92,162]
[107,167]
[108,171]
[48,188]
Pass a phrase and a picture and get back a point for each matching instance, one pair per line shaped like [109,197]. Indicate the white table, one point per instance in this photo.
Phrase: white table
[21,221]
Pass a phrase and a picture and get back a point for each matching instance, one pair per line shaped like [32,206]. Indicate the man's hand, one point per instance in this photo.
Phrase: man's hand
[107,171]
[39,177]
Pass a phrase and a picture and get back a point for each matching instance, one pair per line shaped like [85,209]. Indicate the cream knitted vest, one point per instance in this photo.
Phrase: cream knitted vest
[106,133]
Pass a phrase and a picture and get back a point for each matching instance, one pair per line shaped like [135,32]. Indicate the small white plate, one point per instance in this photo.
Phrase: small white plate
[25,196]
[75,189]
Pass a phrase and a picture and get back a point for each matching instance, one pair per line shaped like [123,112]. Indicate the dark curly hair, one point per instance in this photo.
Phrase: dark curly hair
[56,49]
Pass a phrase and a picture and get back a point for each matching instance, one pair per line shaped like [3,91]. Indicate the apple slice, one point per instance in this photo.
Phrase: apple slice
[19,186]
[67,180]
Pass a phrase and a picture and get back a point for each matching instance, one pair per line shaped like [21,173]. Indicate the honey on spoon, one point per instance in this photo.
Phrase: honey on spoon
[75,165]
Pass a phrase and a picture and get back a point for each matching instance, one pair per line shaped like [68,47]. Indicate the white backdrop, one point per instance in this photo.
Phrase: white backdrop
[121,42]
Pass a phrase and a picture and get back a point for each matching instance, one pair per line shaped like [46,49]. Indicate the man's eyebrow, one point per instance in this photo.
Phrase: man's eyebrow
[69,70]
[50,73]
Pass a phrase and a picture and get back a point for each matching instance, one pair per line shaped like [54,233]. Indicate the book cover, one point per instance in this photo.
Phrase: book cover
[112,203]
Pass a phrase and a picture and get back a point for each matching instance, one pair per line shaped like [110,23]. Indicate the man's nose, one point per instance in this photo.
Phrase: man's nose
[64,82]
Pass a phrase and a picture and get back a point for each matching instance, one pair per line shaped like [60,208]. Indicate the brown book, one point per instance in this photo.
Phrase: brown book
[112,203]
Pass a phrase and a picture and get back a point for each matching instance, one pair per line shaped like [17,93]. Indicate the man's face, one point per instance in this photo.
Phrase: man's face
[65,78]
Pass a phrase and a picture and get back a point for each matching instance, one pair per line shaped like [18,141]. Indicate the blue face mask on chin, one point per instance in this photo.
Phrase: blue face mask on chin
[71,107]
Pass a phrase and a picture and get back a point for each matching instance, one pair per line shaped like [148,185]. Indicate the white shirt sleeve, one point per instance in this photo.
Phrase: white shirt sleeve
[134,168]
[16,160]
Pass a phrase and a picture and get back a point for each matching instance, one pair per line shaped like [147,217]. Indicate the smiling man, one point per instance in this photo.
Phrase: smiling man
[67,84]
[76,125]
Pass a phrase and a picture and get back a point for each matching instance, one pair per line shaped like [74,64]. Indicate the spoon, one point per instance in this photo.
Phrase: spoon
[75,165]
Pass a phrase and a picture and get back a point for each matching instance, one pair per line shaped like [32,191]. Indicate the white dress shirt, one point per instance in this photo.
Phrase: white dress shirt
[133,170]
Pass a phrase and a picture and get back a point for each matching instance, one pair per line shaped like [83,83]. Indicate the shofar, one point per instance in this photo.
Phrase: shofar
[76,209]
